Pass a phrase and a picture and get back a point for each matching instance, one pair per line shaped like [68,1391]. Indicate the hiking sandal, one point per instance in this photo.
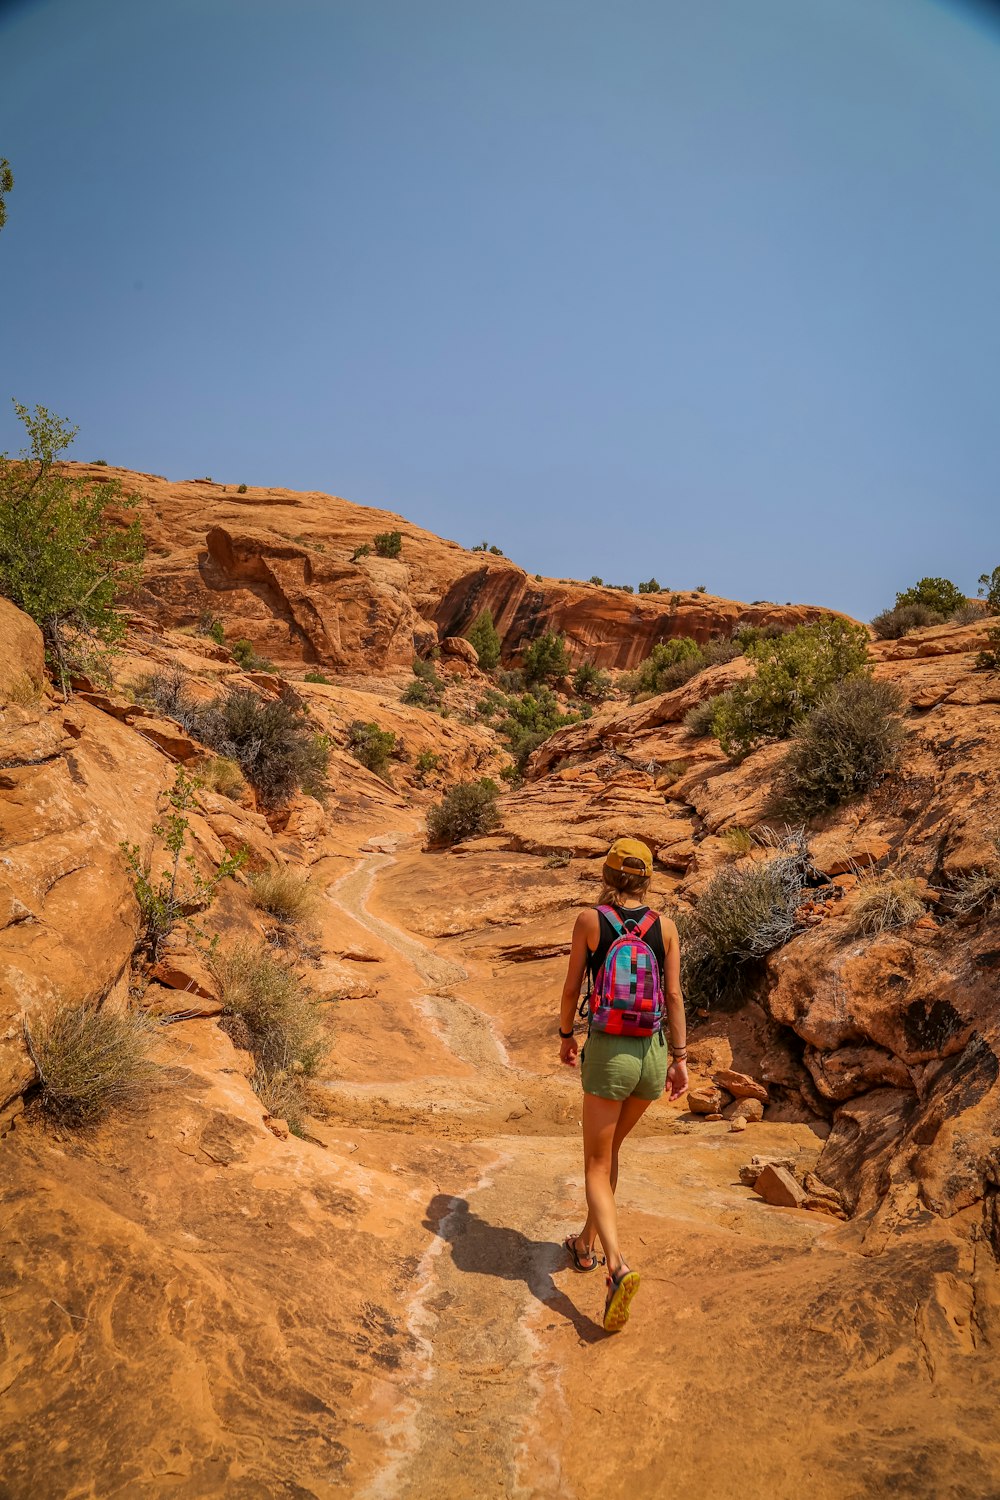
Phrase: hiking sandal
[571,1242]
[621,1290]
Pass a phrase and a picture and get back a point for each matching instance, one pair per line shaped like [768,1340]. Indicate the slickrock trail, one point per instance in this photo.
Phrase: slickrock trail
[738,1342]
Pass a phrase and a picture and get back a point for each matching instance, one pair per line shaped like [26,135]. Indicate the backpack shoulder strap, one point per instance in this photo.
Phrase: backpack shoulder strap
[648,922]
[614,920]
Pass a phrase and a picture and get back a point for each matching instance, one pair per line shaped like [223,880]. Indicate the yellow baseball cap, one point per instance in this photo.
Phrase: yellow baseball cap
[629,856]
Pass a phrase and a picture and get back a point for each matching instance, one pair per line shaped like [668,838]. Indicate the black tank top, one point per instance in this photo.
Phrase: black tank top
[654,937]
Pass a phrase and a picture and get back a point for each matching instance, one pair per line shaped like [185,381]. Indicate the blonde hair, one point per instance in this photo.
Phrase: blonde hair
[618,883]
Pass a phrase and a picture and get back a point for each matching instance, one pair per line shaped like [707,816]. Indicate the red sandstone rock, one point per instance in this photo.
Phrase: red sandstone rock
[740,1085]
[777,1186]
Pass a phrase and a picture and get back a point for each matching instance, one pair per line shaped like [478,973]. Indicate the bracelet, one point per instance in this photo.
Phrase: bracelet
[680,1053]
[566,1035]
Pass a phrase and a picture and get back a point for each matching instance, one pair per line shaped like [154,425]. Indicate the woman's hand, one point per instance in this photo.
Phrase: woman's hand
[568,1048]
[677,1079]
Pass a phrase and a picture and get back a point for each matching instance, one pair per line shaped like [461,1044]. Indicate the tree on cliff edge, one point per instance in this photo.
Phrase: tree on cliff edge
[485,641]
[67,547]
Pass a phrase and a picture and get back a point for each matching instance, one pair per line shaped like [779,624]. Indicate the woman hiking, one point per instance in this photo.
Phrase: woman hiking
[632,958]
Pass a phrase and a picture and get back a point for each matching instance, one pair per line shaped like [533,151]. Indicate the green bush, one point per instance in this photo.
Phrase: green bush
[178,893]
[793,673]
[316,677]
[988,660]
[426,761]
[388,543]
[894,623]
[744,913]
[700,719]
[937,594]
[90,1060]
[64,558]
[483,637]
[241,489]
[244,653]
[372,745]
[884,902]
[468,809]
[546,659]
[596,578]
[363,551]
[650,587]
[271,740]
[427,689]
[844,748]
[669,665]
[525,722]
[989,590]
[222,776]
[211,626]
[590,683]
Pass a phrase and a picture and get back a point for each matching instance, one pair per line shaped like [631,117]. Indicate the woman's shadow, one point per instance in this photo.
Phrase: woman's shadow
[495,1250]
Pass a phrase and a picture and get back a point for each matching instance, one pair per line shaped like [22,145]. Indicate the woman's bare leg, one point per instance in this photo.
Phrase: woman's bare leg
[631,1112]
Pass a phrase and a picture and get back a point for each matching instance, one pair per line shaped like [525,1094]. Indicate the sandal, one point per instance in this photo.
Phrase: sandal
[621,1289]
[571,1243]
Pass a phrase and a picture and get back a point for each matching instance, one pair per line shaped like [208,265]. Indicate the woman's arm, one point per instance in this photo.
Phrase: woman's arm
[677,1074]
[585,936]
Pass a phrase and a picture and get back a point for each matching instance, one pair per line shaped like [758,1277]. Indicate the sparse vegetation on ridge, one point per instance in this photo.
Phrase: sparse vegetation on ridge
[283,893]
[388,543]
[371,746]
[427,689]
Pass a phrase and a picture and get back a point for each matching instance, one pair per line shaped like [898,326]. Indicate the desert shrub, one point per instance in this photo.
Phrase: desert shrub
[427,760]
[487,547]
[700,719]
[426,690]
[177,893]
[650,587]
[844,748]
[283,893]
[89,1061]
[24,691]
[978,891]
[971,612]
[359,552]
[744,913]
[591,683]
[372,745]
[282,1021]
[702,588]
[546,659]
[793,672]
[222,776]
[596,578]
[720,650]
[989,591]
[937,594]
[525,721]
[167,692]
[883,902]
[100,463]
[388,543]
[738,841]
[669,665]
[241,489]
[316,677]
[65,559]
[245,654]
[894,623]
[988,660]
[211,626]
[272,741]
[465,810]
[510,680]
[483,637]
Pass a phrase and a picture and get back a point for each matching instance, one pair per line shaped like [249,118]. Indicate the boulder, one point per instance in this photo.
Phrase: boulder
[740,1085]
[458,646]
[744,1109]
[755,1166]
[705,1100]
[777,1186]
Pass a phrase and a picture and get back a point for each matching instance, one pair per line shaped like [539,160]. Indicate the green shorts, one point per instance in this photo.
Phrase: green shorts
[624,1067]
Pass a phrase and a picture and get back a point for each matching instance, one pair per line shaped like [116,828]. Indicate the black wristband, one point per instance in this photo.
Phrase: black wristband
[566,1035]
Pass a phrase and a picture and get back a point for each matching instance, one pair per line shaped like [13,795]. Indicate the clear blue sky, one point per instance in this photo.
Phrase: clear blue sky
[707,290]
